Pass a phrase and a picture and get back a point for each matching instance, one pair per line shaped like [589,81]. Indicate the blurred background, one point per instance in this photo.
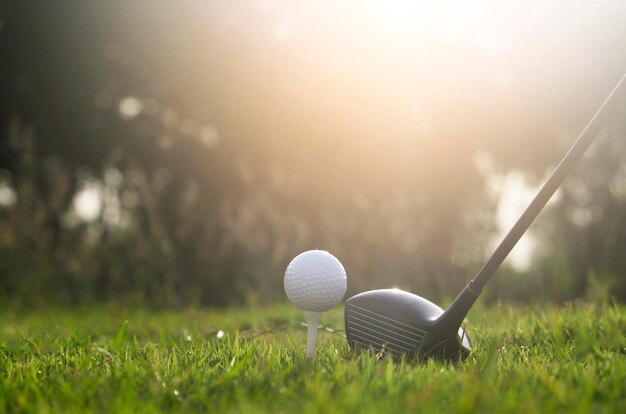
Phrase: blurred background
[182,153]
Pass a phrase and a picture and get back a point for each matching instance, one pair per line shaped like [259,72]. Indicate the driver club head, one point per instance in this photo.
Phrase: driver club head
[400,324]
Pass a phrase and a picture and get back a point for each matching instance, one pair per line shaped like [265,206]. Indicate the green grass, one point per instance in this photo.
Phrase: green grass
[537,359]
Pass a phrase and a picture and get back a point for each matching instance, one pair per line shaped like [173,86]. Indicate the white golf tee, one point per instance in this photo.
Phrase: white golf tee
[312,321]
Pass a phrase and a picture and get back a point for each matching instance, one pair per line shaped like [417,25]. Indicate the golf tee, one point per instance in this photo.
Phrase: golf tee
[312,321]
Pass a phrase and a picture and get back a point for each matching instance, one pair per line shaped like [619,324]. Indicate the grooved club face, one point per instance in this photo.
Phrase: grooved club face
[398,323]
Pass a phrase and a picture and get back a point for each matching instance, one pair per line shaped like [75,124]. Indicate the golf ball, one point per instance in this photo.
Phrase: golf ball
[315,281]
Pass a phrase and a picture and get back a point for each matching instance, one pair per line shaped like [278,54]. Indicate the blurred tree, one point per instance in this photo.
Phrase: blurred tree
[176,153]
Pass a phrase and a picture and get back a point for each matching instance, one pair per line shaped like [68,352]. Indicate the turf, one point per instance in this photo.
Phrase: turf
[526,359]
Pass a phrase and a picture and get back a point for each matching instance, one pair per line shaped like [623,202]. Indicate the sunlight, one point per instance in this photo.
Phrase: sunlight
[515,196]
[88,202]
[485,25]
[8,197]
[283,30]
[399,15]
[130,107]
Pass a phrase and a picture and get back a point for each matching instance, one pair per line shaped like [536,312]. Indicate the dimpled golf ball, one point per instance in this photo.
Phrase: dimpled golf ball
[315,281]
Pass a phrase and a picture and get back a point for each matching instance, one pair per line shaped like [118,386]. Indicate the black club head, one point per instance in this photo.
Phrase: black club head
[401,324]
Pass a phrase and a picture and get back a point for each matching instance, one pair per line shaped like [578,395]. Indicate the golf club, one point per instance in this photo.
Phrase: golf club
[403,325]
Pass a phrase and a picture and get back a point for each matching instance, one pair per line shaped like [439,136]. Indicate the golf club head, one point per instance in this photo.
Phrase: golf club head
[401,324]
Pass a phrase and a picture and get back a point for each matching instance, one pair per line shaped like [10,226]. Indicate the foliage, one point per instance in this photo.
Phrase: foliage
[219,153]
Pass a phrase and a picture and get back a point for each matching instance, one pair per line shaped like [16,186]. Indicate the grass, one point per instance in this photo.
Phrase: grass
[526,359]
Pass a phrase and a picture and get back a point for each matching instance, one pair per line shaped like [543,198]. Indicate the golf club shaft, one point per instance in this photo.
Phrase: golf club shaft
[585,139]
[467,297]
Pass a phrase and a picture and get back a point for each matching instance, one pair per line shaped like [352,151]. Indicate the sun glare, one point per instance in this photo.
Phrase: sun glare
[489,26]
[88,202]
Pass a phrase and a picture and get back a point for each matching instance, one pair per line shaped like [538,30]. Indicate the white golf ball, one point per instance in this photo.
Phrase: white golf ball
[315,281]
